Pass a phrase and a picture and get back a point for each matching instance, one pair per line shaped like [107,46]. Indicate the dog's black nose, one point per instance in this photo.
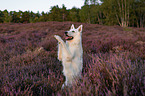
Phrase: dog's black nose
[66,32]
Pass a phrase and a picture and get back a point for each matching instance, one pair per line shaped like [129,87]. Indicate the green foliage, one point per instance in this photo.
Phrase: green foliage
[85,14]
[7,17]
[88,2]
[109,11]
[55,14]
[16,16]
[25,17]
[74,14]
[127,29]
[95,14]
[58,14]
[126,13]
[1,17]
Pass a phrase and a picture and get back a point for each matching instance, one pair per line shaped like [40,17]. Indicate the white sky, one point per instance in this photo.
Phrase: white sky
[37,5]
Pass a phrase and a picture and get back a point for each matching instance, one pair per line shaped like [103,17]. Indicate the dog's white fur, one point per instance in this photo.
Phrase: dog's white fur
[71,55]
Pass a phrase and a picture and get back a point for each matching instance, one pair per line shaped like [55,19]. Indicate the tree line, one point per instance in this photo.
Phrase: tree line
[126,13]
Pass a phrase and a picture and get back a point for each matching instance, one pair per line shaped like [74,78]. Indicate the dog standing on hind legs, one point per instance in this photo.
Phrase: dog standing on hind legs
[71,54]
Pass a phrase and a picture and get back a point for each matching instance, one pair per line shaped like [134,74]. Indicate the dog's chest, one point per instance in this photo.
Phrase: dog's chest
[75,49]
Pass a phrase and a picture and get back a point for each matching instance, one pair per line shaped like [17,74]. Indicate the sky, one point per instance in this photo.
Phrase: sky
[38,5]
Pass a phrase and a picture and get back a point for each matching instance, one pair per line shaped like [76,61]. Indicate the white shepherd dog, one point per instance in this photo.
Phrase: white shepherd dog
[71,54]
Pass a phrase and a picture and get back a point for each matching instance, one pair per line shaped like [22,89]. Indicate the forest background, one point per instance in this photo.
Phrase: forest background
[126,13]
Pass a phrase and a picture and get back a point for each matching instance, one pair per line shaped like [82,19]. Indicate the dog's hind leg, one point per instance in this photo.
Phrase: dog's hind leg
[68,82]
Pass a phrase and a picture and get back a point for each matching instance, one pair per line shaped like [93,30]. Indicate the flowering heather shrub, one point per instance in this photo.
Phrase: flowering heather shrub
[28,69]
[110,74]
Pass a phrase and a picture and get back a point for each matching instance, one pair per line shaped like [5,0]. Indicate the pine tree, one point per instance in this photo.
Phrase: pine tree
[1,17]
[26,17]
[16,16]
[55,14]
[7,18]
[64,13]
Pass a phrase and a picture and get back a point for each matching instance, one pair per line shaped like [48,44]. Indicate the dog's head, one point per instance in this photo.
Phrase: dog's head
[73,33]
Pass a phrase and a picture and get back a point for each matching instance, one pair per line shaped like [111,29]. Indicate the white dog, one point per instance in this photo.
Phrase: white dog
[71,54]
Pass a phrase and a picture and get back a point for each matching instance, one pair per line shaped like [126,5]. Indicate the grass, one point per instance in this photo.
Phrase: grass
[113,60]
[127,29]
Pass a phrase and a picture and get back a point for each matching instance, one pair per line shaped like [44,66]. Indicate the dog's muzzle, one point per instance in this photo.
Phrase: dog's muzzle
[67,36]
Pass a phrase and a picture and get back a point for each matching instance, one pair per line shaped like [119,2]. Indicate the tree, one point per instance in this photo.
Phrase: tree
[91,2]
[117,11]
[108,8]
[64,13]
[26,17]
[32,17]
[85,14]
[58,14]
[74,14]
[110,12]
[7,18]
[91,12]
[19,16]
[16,16]
[95,14]
[55,14]
[140,12]
[1,17]
[125,12]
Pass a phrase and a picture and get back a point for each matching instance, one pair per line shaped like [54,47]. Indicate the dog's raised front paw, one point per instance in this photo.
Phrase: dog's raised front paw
[58,38]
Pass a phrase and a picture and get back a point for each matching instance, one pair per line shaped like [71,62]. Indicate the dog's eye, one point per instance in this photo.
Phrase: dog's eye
[73,31]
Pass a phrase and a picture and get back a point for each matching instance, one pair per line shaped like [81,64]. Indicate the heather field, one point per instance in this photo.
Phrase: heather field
[114,60]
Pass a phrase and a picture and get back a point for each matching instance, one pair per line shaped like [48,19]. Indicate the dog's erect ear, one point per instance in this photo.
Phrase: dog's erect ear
[72,26]
[80,28]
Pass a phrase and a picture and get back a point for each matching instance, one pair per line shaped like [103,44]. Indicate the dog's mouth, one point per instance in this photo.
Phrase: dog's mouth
[69,37]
